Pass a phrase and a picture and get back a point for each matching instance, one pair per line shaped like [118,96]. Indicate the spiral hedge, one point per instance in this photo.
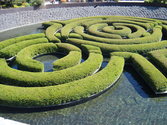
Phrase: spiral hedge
[126,39]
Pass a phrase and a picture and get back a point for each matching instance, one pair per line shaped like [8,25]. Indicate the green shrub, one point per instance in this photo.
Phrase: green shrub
[155,37]
[13,49]
[9,42]
[24,57]
[93,30]
[137,30]
[50,31]
[54,95]
[155,79]
[107,48]
[38,2]
[73,58]
[23,78]
[27,4]
[120,30]
[159,57]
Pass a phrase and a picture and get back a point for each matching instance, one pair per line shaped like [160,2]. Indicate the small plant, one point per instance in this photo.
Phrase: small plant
[38,2]
[27,4]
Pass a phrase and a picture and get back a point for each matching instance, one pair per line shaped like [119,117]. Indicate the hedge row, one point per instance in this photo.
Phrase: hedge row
[154,37]
[107,48]
[24,57]
[72,59]
[159,57]
[55,95]
[23,78]
[120,30]
[9,42]
[50,31]
[155,79]
[13,49]
[65,31]
[110,22]
[94,30]
[137,31]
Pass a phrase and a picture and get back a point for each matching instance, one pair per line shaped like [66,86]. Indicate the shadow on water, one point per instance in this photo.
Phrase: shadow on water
[141,87]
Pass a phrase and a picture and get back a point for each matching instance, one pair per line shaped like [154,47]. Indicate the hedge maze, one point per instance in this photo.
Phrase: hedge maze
[125,39]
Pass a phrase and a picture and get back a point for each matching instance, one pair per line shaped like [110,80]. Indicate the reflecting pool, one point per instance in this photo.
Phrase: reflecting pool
[129,101]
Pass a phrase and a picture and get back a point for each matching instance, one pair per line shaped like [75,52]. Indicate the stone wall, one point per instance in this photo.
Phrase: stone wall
[15,19]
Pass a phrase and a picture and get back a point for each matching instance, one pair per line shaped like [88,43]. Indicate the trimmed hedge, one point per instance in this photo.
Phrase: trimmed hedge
[67,28]
[9,42]
[50,31]
[24,57]
[73,58]
[93,30]
[137,30]
[159,57]
[120,30]
[23,78]
[154,37]
[110,22]
[55,95]
[155,79]
[107,48]
[13,49]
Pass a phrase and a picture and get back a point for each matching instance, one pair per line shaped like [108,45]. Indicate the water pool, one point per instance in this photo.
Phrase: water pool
[129,101]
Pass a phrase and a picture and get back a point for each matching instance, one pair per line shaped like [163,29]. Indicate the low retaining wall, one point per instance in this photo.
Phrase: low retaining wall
[29,15]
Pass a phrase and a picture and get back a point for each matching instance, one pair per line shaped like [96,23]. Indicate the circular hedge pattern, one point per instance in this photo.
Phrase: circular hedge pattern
[126,39]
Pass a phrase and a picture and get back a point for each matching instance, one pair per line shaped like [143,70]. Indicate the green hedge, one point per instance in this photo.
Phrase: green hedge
[50,31]
[23,78]
[93,30]
[155,79]
[9,42]
[137,31]
[154,37]
[159,57]
[120,30]
[75,35]
[54,95]
[65,31]
[13,49]
[24,57]
[107,48]
[110,22]
[73,58]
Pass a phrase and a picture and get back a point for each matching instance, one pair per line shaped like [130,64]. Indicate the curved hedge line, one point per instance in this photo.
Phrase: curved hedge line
[107,48]
[156,36]
[73,58]
[55,95]
[50,31]
[155,79]
[120,30]
[11,41]
[24,57]
[94,31]
[159,57]
[13,49]
[23,78]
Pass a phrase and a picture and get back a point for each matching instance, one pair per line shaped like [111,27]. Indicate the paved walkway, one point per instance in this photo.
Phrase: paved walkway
[10,122]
